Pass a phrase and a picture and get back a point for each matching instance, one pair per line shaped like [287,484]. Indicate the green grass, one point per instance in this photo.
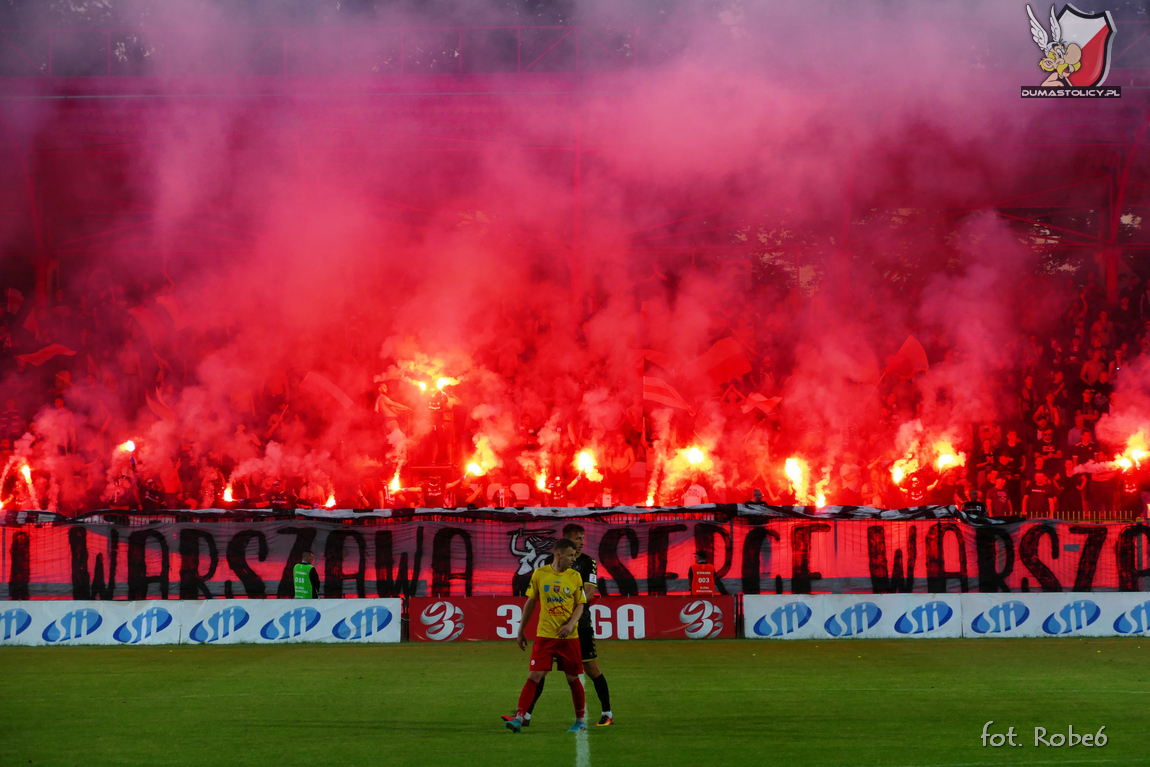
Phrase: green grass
[733,702]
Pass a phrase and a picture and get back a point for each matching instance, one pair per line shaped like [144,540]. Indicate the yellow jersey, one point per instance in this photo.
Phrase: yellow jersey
[557,593]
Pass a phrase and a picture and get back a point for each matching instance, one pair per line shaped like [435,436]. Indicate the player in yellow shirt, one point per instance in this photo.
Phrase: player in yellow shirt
[558,590]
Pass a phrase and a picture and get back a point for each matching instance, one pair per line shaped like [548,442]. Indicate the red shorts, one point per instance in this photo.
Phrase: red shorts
[564,652]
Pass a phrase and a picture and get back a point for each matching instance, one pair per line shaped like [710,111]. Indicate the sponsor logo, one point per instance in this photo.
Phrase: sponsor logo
[219,625]
[76,624]
[291,624]
[1076,53]
[14,622]
[1001,618]
[1074,616]
[853,621]
[629,622]
[1135,621]
[701,620]
[924,618]
[362,623]
[148,623]
[444,621]
[786,619]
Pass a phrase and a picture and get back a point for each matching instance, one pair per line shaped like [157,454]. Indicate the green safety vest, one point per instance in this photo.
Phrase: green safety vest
[301,575]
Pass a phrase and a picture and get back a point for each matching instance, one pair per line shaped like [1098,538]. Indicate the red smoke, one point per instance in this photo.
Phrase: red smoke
[808,184]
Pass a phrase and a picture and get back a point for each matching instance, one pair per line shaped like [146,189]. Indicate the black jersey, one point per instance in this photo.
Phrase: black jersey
[588,570]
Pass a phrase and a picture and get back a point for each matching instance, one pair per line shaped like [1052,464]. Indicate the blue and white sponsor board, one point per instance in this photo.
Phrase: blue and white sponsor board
[1056,614]
[275,621]
[218,621]
[848,616]
[88,623]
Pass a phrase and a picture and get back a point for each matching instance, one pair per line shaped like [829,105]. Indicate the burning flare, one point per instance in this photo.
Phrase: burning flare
[1135,453]
[947,457]
[541,482]
[585,463]
[472,468]
[128,447]
[394,486]
[330,501]
[422,386]
[650,500]
[228,494]
[439,384]
[902,467]
[26,470]
[695,456]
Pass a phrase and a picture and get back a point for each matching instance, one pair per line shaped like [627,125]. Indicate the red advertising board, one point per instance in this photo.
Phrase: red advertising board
[490,618]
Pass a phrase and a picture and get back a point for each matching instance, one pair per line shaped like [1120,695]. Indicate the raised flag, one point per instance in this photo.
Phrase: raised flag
[15,300]
[910,359]
[315,382]
[657,390]
[32,323]
[45,354]
[151,323]
[760,401]
[160,408]
[180,316]
[722,362]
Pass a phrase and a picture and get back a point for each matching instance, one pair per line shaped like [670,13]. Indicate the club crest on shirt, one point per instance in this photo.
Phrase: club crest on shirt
[546,586]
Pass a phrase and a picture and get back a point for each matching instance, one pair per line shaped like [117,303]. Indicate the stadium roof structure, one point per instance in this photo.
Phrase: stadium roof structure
[451,93]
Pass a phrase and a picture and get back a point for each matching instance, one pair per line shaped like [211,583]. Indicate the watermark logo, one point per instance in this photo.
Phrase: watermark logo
[76,624]
[924,618]
[786,619]
[1076,54]
[362,623]
[291,624]
[853,621]
[148,623]
[14,622]
[701,619]
[1134,621]
[1001,618]
[1074,616]
[219,625]
[444,621]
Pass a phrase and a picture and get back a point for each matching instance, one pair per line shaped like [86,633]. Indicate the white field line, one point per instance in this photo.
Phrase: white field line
[582,747]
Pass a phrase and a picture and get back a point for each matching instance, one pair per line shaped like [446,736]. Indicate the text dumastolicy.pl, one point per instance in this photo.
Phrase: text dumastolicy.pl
[1042,737]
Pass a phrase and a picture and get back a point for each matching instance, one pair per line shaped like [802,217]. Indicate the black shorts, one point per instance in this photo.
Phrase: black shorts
[587,642]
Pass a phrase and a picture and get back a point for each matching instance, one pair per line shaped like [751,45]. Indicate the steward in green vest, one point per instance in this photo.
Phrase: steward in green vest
[305,578]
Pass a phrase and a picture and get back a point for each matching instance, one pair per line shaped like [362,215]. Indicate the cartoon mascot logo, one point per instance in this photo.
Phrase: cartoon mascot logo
[1077,52]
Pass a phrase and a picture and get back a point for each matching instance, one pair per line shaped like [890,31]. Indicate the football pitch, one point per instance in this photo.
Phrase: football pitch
[860,702]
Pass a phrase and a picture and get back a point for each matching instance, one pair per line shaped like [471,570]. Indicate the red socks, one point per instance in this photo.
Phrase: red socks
[527,697]
[578,696]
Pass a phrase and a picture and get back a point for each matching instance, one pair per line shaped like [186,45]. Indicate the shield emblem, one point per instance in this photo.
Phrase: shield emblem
[1094,34]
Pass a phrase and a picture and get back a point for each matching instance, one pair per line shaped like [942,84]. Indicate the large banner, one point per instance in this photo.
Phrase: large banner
[891,616]
[445,557]
[495,618]
[61,622]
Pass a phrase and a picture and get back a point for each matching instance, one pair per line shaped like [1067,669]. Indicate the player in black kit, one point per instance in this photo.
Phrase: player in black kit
[587,568]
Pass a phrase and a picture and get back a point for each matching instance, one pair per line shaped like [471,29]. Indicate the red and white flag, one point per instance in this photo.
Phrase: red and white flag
[315,382]
[160,408]
[15,299]
[911,358]
[180,316]
[722,362]
[658,390]
[761,401]
[45,354]
[151,323]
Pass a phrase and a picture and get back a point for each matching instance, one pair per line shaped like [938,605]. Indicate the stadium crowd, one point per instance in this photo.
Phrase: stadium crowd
[106,363]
